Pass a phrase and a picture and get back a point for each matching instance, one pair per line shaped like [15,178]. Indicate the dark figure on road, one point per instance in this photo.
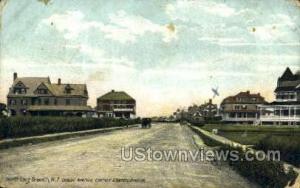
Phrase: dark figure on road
[146,123]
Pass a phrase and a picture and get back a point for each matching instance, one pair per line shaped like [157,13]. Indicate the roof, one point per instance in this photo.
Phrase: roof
[59,108]
[244,98]
[115,95]
[32,83]
[287,75]
[288,81]
[59,89]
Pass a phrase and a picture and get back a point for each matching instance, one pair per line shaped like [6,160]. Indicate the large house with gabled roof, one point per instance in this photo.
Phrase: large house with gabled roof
[117,104]
[241,108]
[286,108]
[37,96]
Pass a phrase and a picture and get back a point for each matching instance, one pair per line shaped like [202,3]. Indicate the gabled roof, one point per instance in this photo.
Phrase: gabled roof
[76,89]
[246,98]
[287,75]
[31,83]
[115,95]
[288,81]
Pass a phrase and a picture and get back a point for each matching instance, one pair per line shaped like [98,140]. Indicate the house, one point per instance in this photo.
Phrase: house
[194,111]
[241,108]
[286,108]
[209,110]
[37,96]
[117,104]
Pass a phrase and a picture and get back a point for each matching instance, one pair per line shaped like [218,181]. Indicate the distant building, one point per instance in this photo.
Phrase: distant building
[116,104]
[206,111]
[209,110]
[37,96]
[286,108]
[241,108]
[194,111]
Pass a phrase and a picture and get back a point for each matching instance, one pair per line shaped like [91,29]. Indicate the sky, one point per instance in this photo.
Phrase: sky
[164,53]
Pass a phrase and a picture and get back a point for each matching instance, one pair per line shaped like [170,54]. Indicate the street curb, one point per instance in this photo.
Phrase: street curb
[220,140]
[8,143]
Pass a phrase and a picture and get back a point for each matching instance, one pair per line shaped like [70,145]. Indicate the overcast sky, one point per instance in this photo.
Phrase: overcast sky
[164,53]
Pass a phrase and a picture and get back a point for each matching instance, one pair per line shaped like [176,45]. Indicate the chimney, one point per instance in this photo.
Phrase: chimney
[15,76]
[112,90]
[210,101]
[248,92]
[258,94]
[59,81]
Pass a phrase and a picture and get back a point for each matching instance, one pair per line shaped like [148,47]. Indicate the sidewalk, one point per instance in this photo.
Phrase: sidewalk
[7,143]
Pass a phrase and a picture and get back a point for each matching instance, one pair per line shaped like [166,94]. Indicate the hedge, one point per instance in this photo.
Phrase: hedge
[266,173]
[288,147]
[14,127]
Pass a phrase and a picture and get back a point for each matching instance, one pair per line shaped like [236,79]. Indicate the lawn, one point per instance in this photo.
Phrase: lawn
[251,128]
[283,138]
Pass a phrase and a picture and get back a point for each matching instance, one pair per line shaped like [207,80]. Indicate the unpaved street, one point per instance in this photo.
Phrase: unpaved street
[98,157]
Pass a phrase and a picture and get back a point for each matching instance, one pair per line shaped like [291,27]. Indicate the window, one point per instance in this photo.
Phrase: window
[68,89]
[244,106]
[42,91]
[68,101]
[39,101]
[239,99]
[12,102]
[46,101]
[24,102]
[33,101]
[236,107]
[19,90]
[55,101]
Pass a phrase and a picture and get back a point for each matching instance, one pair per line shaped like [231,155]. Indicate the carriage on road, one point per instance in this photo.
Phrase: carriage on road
[146,123]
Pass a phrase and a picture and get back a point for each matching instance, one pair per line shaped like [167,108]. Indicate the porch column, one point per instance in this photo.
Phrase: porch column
[279,112]
[260,111]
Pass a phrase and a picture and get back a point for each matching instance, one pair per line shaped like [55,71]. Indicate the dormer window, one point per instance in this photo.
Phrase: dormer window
[42,91]
[68,89]
[19,88]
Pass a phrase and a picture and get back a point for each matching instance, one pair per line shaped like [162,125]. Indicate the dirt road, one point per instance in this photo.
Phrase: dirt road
[95,161]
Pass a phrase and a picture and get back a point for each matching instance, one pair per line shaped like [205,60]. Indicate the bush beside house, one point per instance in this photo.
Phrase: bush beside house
[14,127]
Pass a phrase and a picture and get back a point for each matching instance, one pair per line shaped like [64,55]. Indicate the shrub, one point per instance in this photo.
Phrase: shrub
[289,148]
[32,126]
[266,173]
